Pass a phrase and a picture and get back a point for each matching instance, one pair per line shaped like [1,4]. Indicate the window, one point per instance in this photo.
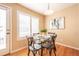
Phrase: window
[24,24]
[35,25]
[27,24]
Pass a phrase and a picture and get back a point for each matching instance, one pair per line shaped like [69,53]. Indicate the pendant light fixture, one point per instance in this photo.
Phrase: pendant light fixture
[48,11]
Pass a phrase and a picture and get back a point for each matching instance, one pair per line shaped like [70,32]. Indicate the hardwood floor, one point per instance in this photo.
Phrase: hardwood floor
[61,51]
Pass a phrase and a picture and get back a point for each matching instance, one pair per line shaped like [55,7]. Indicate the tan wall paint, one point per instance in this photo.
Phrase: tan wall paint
[16,44]
[70,35]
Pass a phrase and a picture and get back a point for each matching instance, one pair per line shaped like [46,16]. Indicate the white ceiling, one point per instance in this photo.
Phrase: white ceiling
[42,7]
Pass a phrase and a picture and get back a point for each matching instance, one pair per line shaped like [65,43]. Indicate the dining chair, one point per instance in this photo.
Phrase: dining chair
[33,45]
[50,44]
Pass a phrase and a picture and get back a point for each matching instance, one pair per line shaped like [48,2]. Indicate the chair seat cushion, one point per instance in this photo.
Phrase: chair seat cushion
[36,47]
[47,45]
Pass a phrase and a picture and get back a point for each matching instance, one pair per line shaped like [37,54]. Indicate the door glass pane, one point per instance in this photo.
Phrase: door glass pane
[35,25]
[2,29]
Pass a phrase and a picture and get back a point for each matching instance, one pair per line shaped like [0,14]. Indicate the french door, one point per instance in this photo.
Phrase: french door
[4,27]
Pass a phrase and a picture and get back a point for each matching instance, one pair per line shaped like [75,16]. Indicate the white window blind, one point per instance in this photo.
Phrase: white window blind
[24,24]
[35,25]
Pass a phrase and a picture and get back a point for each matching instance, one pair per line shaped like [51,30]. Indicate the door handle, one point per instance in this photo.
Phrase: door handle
[8,33]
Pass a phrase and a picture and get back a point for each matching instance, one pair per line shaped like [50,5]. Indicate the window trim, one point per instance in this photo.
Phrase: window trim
[20,12]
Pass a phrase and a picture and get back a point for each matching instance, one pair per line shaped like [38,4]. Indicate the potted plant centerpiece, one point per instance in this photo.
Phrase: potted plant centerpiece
[43,31]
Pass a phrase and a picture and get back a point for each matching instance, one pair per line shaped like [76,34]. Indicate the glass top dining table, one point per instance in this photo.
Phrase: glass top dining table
[41,38]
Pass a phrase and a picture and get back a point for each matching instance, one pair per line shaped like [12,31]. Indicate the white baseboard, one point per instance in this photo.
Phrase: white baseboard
[2,54]
[67,46]
[56,43]
[18,49]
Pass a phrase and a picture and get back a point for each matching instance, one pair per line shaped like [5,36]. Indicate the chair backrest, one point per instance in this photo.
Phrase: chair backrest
[30,40]
[34,34]
[53,36]
[51,33]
